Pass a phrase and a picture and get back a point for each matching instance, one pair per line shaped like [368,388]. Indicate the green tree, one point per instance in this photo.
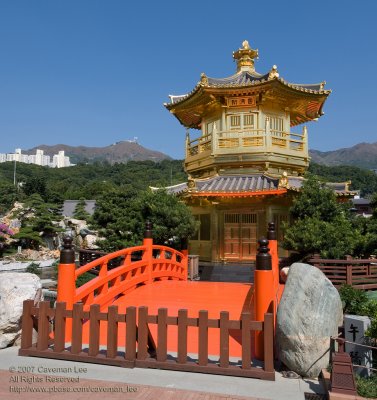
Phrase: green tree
[120,217]
[80,212]
[320,224]
[171,218]
[39,220]
[35,184]
[361,179]
[8,195]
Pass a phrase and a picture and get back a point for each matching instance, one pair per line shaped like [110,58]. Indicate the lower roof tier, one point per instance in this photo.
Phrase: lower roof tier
[248,186]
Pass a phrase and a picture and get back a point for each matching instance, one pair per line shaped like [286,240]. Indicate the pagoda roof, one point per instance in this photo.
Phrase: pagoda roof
[188,107]
[248,186]
[245,79]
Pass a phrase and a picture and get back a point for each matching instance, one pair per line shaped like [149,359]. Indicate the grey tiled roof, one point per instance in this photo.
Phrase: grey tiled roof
[242,78]
[247,78]
[70,205]
[248,183]
[237,183]
[228,183]
[361,202]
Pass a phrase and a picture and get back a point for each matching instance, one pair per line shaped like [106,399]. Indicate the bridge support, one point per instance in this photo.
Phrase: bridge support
[263,291]
[67,279]
[148,254]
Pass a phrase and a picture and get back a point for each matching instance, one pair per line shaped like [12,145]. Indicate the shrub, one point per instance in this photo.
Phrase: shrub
[33,268]
[367,387]
[354,300]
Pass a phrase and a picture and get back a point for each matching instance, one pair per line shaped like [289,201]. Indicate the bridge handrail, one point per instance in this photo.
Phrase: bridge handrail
[153,263]
[101,260]
[130,273]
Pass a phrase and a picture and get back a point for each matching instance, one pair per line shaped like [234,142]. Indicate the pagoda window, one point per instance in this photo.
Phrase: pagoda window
[235,121]
[249,121]
[276,124]
[211,126]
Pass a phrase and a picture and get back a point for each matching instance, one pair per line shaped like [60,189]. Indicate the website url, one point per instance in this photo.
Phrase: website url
[81,389]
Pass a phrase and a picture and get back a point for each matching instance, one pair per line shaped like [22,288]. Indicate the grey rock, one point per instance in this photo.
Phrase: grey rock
[309,313]
[14,289]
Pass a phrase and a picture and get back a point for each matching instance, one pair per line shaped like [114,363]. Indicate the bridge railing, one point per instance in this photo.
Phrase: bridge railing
[139,265]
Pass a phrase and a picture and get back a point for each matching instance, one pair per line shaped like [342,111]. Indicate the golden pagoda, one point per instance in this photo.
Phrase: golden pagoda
[245,162]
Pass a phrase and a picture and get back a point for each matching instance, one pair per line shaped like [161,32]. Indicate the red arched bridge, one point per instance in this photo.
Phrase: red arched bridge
[146,313]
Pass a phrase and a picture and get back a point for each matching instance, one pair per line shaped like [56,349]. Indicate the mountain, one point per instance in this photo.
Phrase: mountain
[363,155]
[119,152]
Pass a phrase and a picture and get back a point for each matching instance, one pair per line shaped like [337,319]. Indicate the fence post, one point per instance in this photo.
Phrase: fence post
[27,324]
[342,376]
[148,243]
[263,291]
[349,271]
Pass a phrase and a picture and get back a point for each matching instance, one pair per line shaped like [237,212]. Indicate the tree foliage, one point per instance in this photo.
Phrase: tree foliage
[80,212]
[38,219]
[361,179]
[89,181]
[320,224]
[120,217]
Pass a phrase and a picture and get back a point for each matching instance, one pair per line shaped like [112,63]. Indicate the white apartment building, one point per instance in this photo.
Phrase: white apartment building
[59,160]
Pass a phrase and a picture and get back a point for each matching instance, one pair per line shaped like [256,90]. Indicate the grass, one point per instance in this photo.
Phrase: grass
[367,387]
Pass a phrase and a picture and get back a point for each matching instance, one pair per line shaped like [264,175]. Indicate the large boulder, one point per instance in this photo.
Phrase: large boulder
[14,289]
[309,312]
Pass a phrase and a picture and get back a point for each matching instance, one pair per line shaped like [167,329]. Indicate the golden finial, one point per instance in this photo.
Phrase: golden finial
[322,85]
[283,181]
[273,72]
[245,57]
[203,79]
[245,45]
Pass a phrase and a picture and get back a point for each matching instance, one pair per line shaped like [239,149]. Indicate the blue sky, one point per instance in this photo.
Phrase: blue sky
[96,72]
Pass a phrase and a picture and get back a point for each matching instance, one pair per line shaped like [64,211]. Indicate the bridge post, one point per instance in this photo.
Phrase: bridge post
[66,273]
[263,291]
[67,280]
[273,244]
[148,243]
[184,251]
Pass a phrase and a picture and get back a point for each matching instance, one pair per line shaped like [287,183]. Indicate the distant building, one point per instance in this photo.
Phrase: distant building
[59,160]
[362,207]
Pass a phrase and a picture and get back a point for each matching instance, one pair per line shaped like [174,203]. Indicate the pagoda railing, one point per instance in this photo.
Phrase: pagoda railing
[251,140]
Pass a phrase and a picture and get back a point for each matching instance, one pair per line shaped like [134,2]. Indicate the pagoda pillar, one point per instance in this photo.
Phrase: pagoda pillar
[305,141]
[267,133]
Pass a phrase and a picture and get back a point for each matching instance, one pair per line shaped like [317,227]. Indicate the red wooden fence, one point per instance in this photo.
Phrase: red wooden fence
[361,274]
[139,351]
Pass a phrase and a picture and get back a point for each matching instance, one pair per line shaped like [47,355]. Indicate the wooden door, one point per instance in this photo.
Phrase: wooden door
[248,236]
[240,236]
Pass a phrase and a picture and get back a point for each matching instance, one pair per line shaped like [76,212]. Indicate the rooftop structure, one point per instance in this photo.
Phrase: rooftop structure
[245,120]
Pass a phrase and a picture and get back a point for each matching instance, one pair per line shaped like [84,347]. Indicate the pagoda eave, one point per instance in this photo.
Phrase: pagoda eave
[237,194]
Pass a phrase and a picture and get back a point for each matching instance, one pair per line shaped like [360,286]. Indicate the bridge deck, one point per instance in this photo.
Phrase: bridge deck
[193,296]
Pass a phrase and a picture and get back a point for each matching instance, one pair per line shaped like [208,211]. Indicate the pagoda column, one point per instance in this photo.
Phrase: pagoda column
[305,141]
[267,133]
[187,143]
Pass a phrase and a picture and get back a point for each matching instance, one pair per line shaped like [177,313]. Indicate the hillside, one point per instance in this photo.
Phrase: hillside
[119,152]
[362,155]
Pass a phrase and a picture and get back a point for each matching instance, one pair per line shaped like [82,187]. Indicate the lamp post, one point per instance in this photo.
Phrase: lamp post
[14,171]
